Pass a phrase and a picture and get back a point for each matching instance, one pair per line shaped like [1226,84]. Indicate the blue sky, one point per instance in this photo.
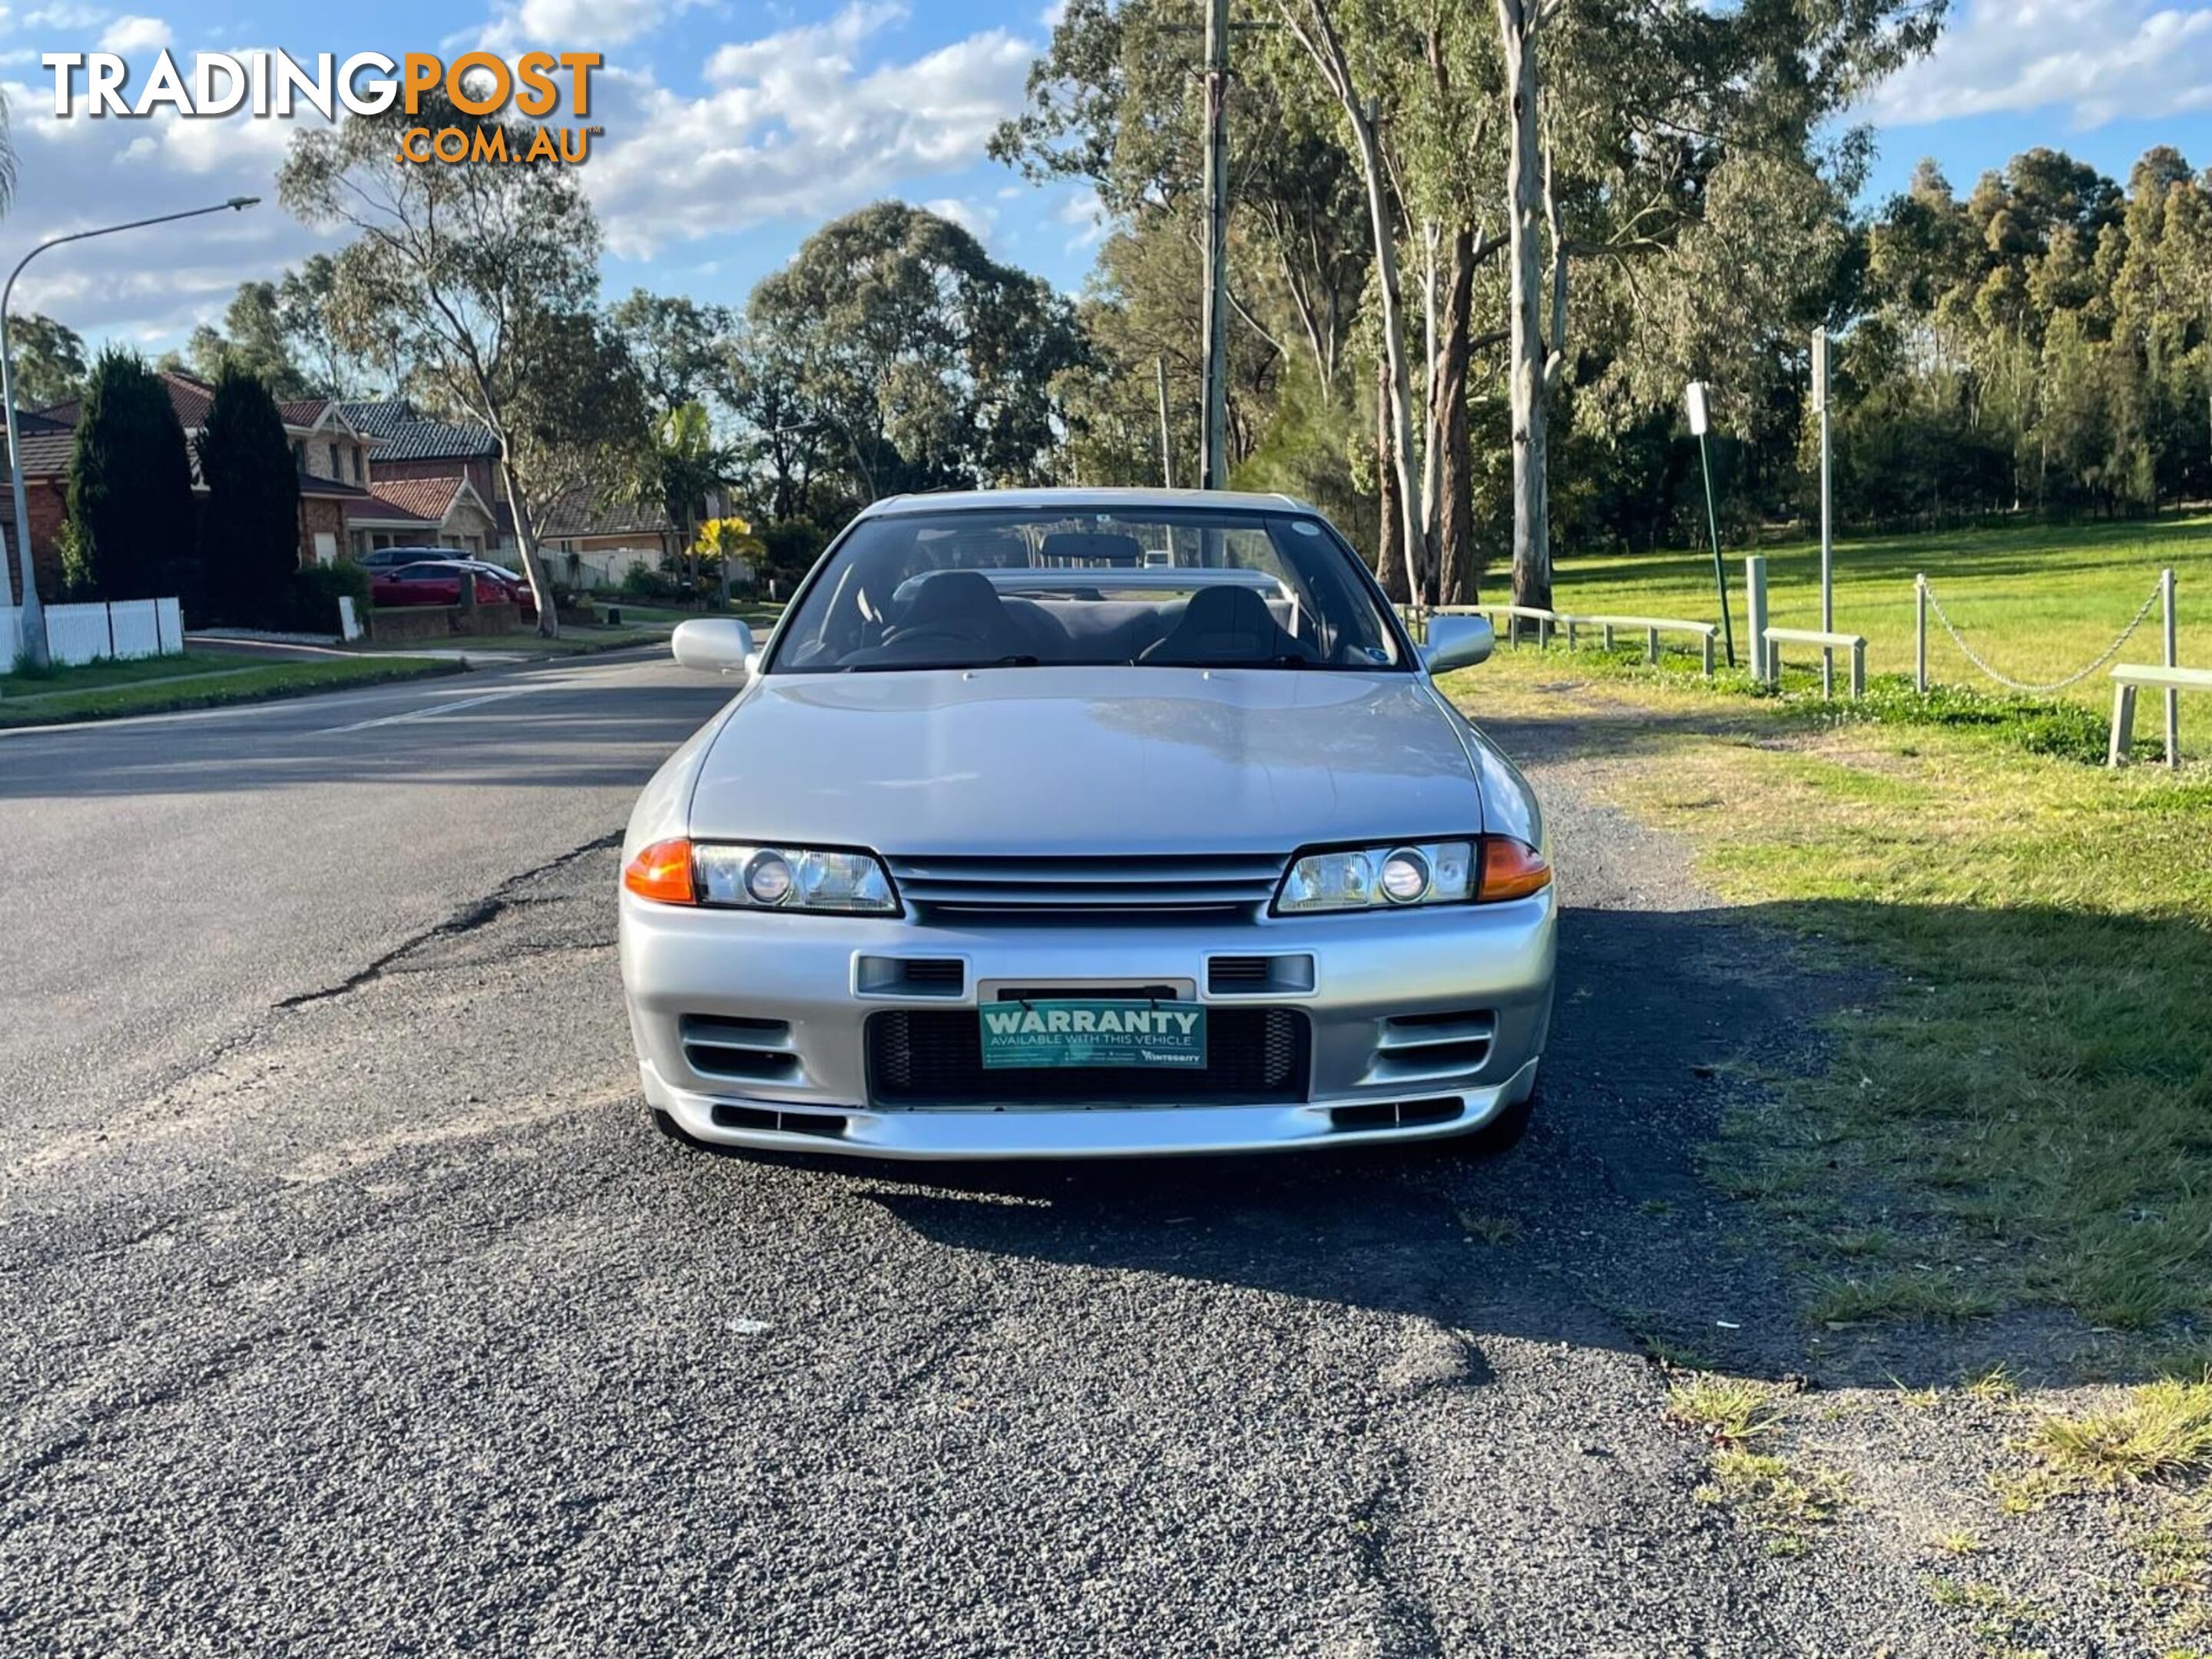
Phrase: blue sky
[734,127]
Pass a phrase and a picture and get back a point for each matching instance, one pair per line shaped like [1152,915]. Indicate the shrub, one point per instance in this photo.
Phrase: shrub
[130,483]
[311,601]
[249,530]
[647,586]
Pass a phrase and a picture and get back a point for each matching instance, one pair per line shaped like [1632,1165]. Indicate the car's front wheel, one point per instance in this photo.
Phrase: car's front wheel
[1504,1132]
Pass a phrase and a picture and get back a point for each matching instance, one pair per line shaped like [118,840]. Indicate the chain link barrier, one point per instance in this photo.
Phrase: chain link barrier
[2079,675]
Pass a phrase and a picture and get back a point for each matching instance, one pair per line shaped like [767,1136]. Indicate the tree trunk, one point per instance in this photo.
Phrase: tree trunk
[1456,576]
[525,541]
[1390,544]
[1526,370]
[1315,29]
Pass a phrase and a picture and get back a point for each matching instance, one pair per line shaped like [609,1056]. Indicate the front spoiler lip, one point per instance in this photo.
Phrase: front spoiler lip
[974,1135]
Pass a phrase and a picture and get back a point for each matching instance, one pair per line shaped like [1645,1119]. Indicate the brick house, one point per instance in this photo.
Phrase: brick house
[437,482]
[330,451]
[371,475]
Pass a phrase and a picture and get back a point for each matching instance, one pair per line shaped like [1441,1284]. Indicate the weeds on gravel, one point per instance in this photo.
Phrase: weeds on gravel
[1733,1410]
[2160,1431]
[2003,1623]
[1787,1504]
[1489,1229]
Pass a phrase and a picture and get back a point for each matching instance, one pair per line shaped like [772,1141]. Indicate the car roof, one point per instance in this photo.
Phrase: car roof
[1081,500]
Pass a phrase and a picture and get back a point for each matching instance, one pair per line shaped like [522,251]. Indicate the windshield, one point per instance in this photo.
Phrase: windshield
[1146,587]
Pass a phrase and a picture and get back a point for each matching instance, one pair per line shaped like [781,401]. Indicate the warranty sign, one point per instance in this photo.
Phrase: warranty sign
[1068,1032]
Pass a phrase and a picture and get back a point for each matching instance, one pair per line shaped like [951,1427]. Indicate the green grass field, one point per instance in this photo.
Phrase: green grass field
[2036,602]
[2017,1109]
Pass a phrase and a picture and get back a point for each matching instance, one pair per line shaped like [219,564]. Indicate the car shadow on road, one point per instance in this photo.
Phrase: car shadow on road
[1597,1229]
[1603,1228]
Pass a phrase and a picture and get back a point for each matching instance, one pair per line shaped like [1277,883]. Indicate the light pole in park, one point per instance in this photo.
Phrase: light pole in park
[1827,524]
[35,621]
[1693,400]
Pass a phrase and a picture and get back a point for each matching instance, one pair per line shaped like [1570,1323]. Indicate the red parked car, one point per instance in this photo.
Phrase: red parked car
[438,582]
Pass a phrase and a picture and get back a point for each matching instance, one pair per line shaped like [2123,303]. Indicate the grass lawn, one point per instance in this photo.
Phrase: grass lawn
[110,693]
[2036,602]
[94,675]
[2017,1110]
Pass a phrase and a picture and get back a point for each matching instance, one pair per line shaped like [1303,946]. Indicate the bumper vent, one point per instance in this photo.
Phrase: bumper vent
[933,1057]
[1432,1048]
[1088,887]
[1258,976]
[911,976]
[749,1050]
[828,1125]
[1396,1114]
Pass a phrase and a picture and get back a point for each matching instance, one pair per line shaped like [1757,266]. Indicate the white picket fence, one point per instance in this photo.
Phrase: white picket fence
[79,634]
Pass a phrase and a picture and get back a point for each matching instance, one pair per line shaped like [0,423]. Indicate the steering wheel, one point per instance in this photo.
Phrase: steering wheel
[939,633]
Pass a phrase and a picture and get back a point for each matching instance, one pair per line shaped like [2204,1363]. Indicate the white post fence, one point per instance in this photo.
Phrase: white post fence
[124,629]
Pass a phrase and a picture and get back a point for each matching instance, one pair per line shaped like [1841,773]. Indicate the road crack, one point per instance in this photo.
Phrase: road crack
[507,896]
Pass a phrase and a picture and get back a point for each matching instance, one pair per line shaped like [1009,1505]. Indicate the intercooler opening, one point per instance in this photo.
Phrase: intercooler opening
[1395,1114]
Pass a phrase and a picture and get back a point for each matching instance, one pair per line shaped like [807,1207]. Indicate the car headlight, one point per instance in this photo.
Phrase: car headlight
[815,879]
[1486,869]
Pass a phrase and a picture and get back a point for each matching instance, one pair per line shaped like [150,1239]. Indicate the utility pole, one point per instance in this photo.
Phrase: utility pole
[1213,432]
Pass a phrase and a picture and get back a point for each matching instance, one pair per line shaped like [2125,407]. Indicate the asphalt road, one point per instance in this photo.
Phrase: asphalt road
[347,1305]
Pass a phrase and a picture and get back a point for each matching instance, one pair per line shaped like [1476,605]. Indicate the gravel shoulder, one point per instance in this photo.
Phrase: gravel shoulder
[387,1326]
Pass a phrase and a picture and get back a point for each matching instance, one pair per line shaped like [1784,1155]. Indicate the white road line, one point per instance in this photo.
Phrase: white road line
[423,714]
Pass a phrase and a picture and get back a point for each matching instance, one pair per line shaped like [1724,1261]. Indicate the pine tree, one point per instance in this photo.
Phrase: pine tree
[250,529]
[130,485]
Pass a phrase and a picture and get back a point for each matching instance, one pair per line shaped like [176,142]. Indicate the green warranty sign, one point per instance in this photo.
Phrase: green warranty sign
[1073,1031]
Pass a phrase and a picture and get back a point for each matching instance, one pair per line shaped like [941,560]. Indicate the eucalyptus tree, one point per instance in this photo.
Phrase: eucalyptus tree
[469,272]
[925,363]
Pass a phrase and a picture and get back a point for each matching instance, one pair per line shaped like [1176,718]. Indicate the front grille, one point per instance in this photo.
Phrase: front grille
[1089,888]
[934,1057]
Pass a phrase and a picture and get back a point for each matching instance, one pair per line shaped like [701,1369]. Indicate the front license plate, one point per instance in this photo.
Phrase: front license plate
[1071,1031]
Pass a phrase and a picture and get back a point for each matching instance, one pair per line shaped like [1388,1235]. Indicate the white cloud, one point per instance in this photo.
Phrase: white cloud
[974,217]
[63,17]
[78,174]
[1083,208]
[135,34]
[2097,59]
[793,126]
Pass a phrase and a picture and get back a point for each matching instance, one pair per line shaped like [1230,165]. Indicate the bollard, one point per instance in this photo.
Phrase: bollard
[1920,636]
[1754,591]
[2172,661]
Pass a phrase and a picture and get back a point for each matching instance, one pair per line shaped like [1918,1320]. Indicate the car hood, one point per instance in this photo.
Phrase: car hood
[1084,760]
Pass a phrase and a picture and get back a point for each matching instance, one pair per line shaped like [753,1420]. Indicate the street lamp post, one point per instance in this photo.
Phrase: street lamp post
[34,621]
[1693,398]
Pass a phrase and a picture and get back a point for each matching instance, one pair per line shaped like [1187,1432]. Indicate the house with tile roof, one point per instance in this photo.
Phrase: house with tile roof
[332,454]
[437,482]
[371,475]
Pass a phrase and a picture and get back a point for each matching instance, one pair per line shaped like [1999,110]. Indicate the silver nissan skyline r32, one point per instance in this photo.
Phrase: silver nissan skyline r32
[1084,823]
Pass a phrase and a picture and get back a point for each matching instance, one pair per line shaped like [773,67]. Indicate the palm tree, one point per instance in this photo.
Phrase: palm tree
[679,466]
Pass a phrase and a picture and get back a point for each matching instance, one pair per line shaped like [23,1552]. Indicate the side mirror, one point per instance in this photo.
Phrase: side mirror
[714,645]
[1454,642]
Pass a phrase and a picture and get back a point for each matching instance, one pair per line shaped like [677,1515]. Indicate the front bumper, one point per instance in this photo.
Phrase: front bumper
[805,979]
